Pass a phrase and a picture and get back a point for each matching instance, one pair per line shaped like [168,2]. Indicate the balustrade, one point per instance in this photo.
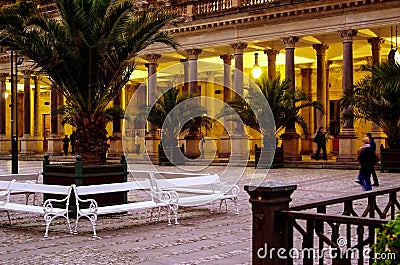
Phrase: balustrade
[336,231]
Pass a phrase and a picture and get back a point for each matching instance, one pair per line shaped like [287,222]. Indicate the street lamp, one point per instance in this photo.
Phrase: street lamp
[256,72]
[14,112]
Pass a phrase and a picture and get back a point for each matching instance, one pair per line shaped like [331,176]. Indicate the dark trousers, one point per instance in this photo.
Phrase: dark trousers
[364,177]
[323,147]
[374,176]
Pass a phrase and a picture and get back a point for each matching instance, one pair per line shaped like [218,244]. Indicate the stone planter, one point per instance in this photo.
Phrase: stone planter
[277,160]
[390,159]
[76,173]
[175,156]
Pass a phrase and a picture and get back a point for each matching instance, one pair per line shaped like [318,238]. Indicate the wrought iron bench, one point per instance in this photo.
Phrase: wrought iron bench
[89,208]
[196,189]
[51,209]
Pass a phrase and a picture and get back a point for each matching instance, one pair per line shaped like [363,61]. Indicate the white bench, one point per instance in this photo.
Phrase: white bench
[28,178]
[49,210]
[89,207]
[197,189]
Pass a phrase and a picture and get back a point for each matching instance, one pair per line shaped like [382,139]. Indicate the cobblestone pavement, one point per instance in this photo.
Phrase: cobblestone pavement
[200,238]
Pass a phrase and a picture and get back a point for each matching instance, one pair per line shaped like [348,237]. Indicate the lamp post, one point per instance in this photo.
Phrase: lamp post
[14,112]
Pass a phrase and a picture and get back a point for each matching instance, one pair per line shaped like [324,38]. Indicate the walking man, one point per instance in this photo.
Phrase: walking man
[372,144]
[320,140]
[65,141]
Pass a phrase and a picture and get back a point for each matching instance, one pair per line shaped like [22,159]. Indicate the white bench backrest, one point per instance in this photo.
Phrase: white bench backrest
[111,187]
[21,177]
[184,182]
[40,188]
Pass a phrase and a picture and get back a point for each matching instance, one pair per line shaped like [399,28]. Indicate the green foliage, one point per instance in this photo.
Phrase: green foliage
[89,52]
[388,242]
[285,105]
[175,113]
[376,98]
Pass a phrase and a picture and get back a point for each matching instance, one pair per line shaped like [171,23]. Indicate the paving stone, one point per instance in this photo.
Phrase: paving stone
[201,237]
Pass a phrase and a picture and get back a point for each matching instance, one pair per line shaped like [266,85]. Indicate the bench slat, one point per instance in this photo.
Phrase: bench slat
[112,187]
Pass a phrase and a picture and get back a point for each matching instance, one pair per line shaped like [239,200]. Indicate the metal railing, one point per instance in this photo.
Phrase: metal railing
[336,231]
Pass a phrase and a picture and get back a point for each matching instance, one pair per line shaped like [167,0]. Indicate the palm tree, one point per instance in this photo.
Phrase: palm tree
[175,113]
[285,105]
[376,98]
[89,52]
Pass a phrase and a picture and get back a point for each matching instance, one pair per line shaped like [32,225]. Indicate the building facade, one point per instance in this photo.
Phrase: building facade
[321,46]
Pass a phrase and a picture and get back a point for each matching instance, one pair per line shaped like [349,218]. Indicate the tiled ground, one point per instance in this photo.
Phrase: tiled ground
[200,238]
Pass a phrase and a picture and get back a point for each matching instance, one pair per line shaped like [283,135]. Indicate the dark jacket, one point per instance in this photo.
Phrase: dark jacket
[367,157]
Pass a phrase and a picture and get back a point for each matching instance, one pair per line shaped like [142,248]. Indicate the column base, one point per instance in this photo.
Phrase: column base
[347,146]
[5,145]
[290,142]
[55,145]
[225,146]
[240,148]
[28,145]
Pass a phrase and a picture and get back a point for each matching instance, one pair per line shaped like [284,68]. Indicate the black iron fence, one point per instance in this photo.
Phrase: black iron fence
[339,230]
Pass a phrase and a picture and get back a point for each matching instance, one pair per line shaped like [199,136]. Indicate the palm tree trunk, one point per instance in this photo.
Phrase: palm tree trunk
[91,137]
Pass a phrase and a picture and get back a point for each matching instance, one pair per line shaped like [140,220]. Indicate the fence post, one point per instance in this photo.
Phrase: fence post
[272,234]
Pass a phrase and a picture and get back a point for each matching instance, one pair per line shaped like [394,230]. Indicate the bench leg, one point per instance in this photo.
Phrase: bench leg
[92,218]
[174,209]
[48,218]
[9,218]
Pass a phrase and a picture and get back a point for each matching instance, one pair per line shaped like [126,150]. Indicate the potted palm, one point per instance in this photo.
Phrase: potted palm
[285,105]
[376,98]
[89,52]
[173,113]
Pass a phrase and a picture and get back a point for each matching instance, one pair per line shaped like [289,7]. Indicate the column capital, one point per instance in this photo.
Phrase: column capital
[347,35]
[193,54]
[271,53]
[227,58]
[238,47]
[376,42]
[152,58]
[290,42]
[320,48]
[27,73]
[329,63]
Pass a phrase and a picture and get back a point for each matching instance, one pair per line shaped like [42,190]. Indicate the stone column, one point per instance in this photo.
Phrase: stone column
[37,117]
[377,133]
[55,140]
[28,145]
[238,49]
[306,84]
[193,56]
[290,139]
[271,54]
[116,137]
[5,143]
[225,143]
[239,139]
[347,137]
[321,81]
[185,63]
[193,138]
[270,230]
[152,139]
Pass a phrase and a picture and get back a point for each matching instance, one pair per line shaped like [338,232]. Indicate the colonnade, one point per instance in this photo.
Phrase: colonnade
[233,140]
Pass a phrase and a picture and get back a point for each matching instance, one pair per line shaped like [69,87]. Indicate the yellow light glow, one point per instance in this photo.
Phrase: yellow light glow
[256,72]
[5,95]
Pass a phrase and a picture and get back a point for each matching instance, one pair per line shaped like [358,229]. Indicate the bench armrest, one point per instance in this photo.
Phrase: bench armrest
[173,197]
[6,193]
[48,204]
[230,189]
